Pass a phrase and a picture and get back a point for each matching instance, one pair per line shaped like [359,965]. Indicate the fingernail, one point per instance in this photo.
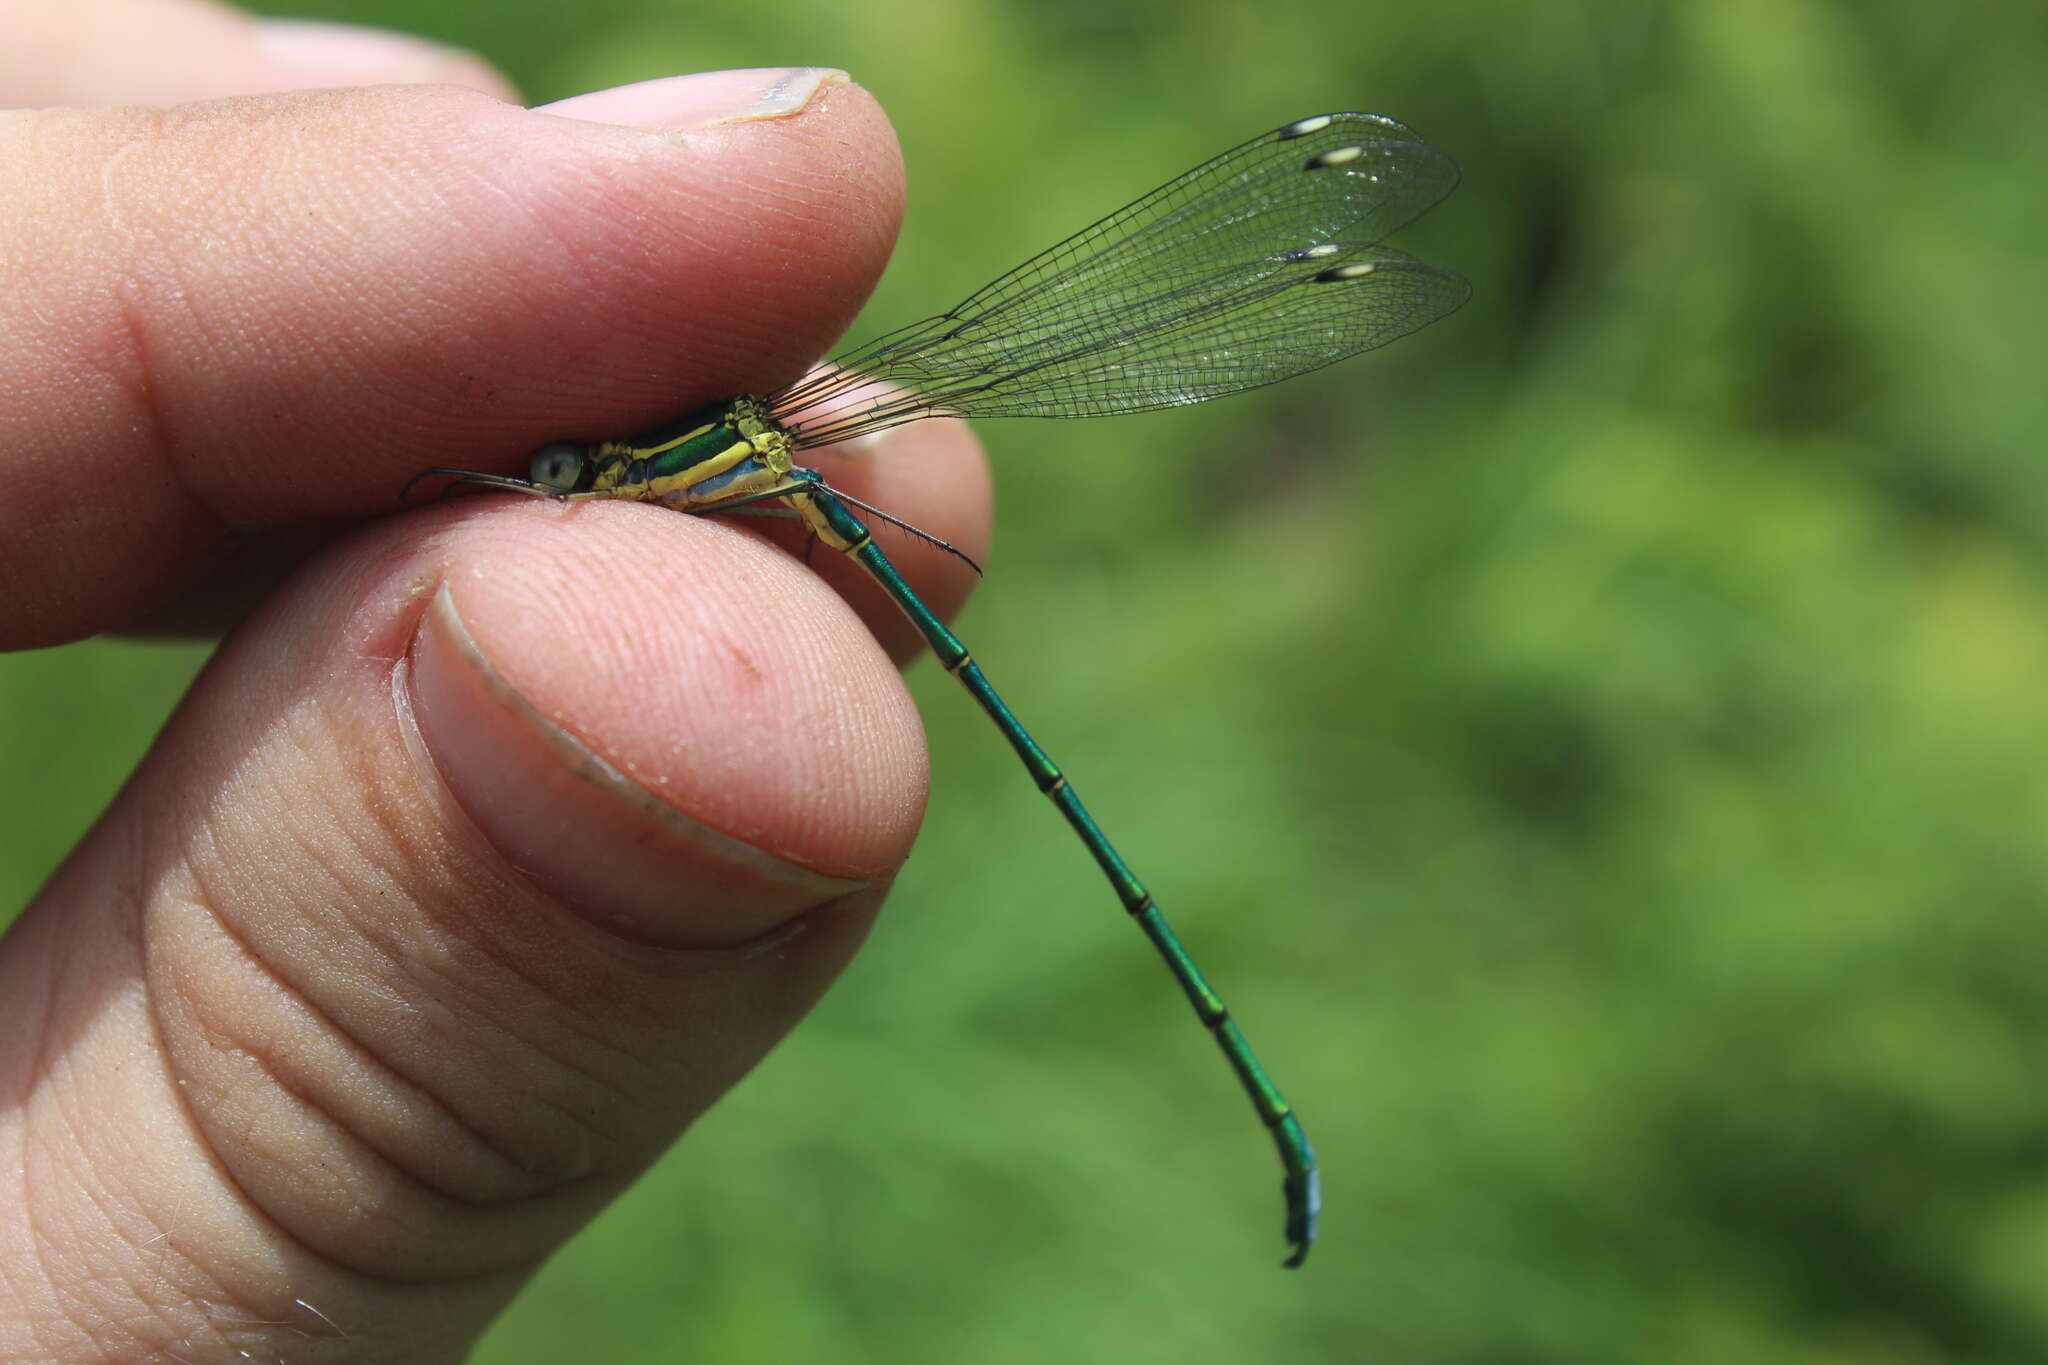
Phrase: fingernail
[577,825]
[706,99]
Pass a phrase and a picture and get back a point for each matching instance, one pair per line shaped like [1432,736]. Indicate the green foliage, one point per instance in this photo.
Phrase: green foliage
[1596,744]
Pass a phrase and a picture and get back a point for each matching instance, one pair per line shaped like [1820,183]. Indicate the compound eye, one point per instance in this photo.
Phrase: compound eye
[557,466]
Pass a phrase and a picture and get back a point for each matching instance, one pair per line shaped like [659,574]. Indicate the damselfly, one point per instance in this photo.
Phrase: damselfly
[1260,264]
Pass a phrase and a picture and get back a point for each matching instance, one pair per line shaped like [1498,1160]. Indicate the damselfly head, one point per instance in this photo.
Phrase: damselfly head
[561,467]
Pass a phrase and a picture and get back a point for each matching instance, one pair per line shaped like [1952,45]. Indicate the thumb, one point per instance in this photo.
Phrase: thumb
[503,839]
[453,892]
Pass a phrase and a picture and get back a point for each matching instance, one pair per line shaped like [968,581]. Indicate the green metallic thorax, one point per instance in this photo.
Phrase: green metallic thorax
[707,457]
[721,456]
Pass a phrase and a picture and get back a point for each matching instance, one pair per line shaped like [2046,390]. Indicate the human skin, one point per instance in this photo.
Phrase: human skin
[501,836]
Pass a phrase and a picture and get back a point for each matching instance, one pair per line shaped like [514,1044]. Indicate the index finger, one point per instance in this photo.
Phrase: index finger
[232,317]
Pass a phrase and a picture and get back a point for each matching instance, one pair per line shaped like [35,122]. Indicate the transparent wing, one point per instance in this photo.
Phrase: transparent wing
[1260,264]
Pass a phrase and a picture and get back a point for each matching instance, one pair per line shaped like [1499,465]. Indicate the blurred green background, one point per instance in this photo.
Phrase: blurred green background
[1598,744]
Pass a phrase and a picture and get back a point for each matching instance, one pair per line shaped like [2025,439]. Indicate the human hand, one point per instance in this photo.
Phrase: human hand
[503,836]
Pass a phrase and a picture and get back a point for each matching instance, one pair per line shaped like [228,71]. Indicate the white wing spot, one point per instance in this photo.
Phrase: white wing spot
[1306,126]
[1336,156]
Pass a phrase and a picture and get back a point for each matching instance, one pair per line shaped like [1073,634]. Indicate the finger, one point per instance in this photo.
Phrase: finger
[470,872]
[169,51]
[293,305]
